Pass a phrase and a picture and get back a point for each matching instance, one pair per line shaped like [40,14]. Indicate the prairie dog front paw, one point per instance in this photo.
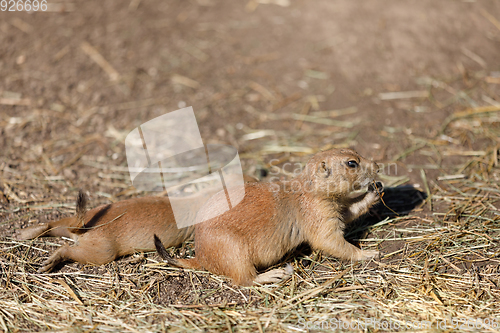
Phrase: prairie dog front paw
[372,198]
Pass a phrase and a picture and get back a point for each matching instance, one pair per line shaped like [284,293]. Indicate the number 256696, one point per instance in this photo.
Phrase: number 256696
[23,5]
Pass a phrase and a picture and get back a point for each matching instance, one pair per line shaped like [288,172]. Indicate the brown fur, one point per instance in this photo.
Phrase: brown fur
[274,218]
[110,231]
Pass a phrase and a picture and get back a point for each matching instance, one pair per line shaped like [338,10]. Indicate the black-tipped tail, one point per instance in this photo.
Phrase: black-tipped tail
[81,210]
[163,252]
[191,263]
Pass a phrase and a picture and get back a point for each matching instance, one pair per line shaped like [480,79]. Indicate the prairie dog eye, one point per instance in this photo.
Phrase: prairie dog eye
[352,164]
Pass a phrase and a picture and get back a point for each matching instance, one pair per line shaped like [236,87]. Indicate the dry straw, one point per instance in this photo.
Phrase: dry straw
[440,257]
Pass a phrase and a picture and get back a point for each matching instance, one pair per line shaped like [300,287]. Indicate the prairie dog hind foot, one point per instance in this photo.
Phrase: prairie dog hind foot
[32,232]
[368,254]
[276,275]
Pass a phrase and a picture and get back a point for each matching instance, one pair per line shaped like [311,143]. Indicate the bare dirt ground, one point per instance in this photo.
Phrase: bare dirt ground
[415,85]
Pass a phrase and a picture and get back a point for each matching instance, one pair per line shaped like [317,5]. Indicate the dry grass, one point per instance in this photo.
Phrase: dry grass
[440,257]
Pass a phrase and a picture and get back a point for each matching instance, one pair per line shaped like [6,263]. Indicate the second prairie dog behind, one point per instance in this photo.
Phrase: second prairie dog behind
[110,231]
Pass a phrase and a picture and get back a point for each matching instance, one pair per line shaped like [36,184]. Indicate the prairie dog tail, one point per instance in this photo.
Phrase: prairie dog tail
[181,263]
[81,208]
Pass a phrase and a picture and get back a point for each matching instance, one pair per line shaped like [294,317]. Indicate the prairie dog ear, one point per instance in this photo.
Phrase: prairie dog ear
[323,170]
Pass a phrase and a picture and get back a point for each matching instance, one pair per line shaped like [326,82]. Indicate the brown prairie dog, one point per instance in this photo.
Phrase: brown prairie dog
[274,218]
[117,229]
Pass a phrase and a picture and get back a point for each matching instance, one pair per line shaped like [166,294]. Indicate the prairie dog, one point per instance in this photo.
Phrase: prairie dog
[110,231]
[274,218]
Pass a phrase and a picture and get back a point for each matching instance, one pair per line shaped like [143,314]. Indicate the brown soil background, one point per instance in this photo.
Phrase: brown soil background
[313,75]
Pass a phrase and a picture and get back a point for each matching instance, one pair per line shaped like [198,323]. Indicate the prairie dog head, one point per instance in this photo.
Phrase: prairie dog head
[338,172]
